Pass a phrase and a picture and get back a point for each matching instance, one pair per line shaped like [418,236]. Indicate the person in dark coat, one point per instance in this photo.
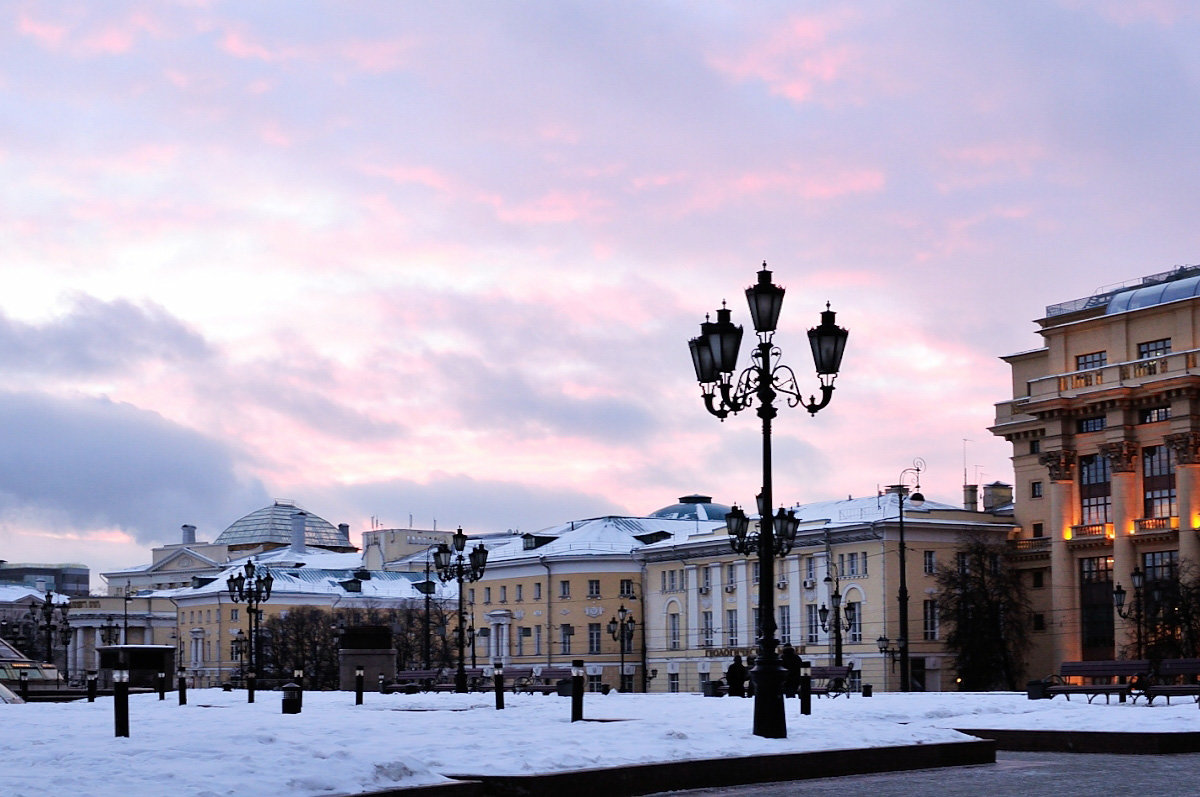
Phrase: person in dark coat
[750,661]
[735,676]
[791,662]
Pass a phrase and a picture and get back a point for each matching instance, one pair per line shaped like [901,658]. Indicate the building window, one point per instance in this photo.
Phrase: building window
[673,682]
[731,575]
[520,592]
[593,588]
[1154,348]
[233,615]
[564,589]
[565,634]
[930,562]
[854,611]
[862,558]
[1039,622]
[1035,489]
[1154,414]
[785,624]
[754,571]
[1159,566]
[1095,359]
[931,620]
[1158,482]
[1039,530]
[810,568]
[812,624]
[521,634]
[626,588]
[963,562]
[487,595]
[1095,490]
[706,577]
[1035,446]
[673,631]
[504,594]
[1096,424]
[537,640]
[672,582]
[852,565]
[757,620]
[595,683]
[706,625]
[731,628]
[1039,579]
[471,596]
[593,638]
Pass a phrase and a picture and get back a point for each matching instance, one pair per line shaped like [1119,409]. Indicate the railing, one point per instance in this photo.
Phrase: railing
[1155,524]
[1031,544]
[1130,373]
[1089,530]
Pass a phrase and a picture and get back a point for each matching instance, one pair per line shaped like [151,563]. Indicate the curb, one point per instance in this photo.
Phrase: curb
[628,781]
[1116,742]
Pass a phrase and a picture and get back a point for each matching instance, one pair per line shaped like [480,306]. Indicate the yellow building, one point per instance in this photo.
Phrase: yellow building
[701,603]
[1105,428]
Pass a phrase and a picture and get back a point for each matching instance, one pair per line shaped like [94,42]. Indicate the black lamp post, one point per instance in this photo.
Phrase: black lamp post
[839,625]
[64,639]
[887,649]
[252,586]
[239,653]
[620,628]
[108,631]
[453,566]
[914,500]
[714,355]
[1138,577]
[128,598]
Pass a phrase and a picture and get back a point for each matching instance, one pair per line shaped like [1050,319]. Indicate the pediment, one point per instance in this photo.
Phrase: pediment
[185,559]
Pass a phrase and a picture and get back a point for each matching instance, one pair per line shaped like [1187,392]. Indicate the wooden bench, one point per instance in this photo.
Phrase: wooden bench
[1173,678]
[420,680]
[543,680]
[831,681]
[1101,675]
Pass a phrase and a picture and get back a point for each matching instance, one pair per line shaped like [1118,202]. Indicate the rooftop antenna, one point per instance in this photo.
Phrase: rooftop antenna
[964,442]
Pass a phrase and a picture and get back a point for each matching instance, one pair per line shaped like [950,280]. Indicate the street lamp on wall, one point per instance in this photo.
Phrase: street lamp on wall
[453,566]
[915,500]
[714,357]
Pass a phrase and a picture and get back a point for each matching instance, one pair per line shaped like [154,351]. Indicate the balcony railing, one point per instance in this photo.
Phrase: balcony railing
[1031,544]
[1090,530]
[1155,524]
[1125,374]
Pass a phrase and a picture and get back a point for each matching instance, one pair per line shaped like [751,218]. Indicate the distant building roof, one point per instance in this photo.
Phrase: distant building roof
[272,525]
[693,507]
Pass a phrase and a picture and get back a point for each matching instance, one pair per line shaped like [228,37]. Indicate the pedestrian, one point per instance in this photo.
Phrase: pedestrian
[750,662]
[791,662]
[735,676]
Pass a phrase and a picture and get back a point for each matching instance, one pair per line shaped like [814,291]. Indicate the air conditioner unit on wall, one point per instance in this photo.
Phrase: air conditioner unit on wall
[702,590]
[810,583]
[782,583]
[730,587]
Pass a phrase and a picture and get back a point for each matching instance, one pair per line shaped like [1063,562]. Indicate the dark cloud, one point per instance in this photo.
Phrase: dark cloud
[95,464]
[97,338]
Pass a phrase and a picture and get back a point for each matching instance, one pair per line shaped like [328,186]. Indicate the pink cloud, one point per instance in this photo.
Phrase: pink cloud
[380,56]
[554,207]
[47,34]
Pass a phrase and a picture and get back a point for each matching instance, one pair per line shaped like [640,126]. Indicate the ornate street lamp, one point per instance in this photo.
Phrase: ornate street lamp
[252,586]
[109,631]
[1138,577]
[620,628]
[838,624]
[915,500]
[453,566]
[714,356]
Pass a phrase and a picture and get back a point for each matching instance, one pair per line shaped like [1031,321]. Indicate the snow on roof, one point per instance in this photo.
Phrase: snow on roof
[11,593]
[611,534]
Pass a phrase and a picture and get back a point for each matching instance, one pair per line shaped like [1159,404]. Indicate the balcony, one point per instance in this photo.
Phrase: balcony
[1091,531]
[1150,525]
[1126,374]
[1030,545]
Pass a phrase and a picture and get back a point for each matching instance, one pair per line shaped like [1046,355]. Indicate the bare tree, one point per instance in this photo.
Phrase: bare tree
[982,600]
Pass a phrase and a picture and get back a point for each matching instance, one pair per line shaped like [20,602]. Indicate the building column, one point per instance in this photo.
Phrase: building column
[1186,446]
[691,622]
[1126,508]
[1064,592]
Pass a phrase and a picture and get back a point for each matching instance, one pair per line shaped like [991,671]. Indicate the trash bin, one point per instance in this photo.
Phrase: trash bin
[714,689]
[564,688]
[291,698]
[868,690]
[1036,690]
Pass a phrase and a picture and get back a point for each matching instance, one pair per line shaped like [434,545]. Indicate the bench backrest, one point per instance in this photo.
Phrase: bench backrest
[553,673]
[1176,667]
[1123,668]
[417,675]
[831,672]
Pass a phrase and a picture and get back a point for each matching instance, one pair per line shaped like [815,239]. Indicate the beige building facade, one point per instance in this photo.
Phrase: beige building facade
[1104,422]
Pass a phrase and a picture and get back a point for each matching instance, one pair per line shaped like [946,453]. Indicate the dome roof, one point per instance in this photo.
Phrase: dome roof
[693,507]
[1159,293]
[272,525]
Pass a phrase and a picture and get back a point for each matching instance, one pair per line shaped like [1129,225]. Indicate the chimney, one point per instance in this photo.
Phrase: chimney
[189,534]
[298,523]
[971,497]
[344,531]
[996,494]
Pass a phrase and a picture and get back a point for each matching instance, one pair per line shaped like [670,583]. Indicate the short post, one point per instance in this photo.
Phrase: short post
[91,686]
[298,679]
[24,679]
[498,682]
[382,680]
[251,680]
[161,683]
[358,686]
[181,686]
[121,702]
[291,698]
[806,687]
[577,673]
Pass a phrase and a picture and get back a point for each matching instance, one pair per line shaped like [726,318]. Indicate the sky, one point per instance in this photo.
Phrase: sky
[253,748]
[438,263]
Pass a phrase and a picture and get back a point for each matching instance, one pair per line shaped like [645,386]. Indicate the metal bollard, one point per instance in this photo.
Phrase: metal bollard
[806,687]
[121,702]
[358,686]
[181,687]
[91,686]
[498,682]
[577,673]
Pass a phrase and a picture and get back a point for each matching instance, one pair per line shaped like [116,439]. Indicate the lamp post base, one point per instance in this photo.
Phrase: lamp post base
[769,719]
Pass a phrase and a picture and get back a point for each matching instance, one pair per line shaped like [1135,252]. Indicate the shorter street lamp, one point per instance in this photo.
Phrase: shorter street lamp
[620,628]
[1138,577]
[239,653]
[838,624]
[252,586]
[885,647]
[453,566]
[109,630]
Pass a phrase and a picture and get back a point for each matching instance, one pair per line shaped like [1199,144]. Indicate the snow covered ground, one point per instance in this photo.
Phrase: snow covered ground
[220,745]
